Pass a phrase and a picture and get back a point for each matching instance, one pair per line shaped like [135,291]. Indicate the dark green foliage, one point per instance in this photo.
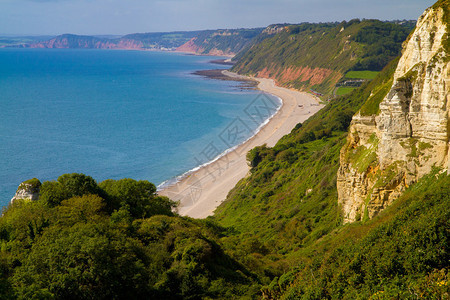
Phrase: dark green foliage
[77,249]
[137,196]
[255,156]
[284,236]
[84,261]
[382,40]
[278,235]
[67,186]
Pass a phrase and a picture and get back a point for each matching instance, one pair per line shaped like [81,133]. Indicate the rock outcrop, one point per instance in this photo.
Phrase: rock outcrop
[28,190]
[386,153]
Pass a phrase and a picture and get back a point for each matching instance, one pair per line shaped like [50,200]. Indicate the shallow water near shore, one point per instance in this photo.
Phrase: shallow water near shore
[113,114]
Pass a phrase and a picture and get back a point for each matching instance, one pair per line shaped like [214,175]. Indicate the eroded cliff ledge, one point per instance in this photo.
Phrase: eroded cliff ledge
[389,149]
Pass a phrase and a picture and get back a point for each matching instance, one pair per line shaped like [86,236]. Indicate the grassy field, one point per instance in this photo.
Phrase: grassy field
[343,90]
[362,74]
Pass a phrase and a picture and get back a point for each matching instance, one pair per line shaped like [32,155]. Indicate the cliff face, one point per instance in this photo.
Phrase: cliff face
[307,75]
[387,152]
[28,190]
[190,47]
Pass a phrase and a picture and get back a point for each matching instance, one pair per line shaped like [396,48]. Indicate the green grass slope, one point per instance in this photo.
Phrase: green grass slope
[403,253]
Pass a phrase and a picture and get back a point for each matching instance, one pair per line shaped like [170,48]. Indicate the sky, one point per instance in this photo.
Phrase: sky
[52,17]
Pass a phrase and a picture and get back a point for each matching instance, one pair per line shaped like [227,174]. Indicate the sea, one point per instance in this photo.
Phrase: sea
[117,114]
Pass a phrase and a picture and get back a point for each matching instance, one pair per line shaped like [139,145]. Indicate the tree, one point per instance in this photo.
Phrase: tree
[138,196]
[67,186]
[84,261]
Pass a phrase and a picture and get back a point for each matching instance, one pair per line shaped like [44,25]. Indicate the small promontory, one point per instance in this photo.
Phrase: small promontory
[28,190]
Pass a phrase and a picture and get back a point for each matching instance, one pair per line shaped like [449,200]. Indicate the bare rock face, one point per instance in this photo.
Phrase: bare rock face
[28,190]
[385,153]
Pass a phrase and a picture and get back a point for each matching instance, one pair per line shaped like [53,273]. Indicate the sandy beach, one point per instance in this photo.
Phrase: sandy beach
[200,192]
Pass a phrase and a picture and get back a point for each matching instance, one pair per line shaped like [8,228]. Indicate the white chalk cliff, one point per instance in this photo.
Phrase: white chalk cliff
[386,153]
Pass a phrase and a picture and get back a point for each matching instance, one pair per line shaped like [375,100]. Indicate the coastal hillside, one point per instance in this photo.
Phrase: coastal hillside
[317,56]
[137,41]
[72,41]
[226,42]
[207,42]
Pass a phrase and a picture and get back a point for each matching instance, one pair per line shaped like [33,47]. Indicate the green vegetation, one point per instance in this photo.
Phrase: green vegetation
[401,254]
[381,87]
[91,244]
[361,74]
[343,90]
[362,158]
[381,42]
[232,40]
[162,39]
[445,5]
[317,56]
[290,200]
[33,184]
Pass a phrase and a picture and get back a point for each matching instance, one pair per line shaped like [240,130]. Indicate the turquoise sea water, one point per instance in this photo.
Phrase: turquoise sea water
[113,114]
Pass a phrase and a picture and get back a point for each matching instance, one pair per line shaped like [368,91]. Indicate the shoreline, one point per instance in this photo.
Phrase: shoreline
[205,187]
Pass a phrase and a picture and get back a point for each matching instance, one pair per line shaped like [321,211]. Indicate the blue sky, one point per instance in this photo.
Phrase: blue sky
[128,16]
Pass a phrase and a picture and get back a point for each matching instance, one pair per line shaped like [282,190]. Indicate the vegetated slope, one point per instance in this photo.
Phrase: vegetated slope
[158,40]
[290,199]
[113,240]
[220,42]
[73,41]
[316,56]
[403,253]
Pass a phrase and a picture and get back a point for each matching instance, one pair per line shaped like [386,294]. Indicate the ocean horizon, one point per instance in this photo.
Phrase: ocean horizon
[113,114]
